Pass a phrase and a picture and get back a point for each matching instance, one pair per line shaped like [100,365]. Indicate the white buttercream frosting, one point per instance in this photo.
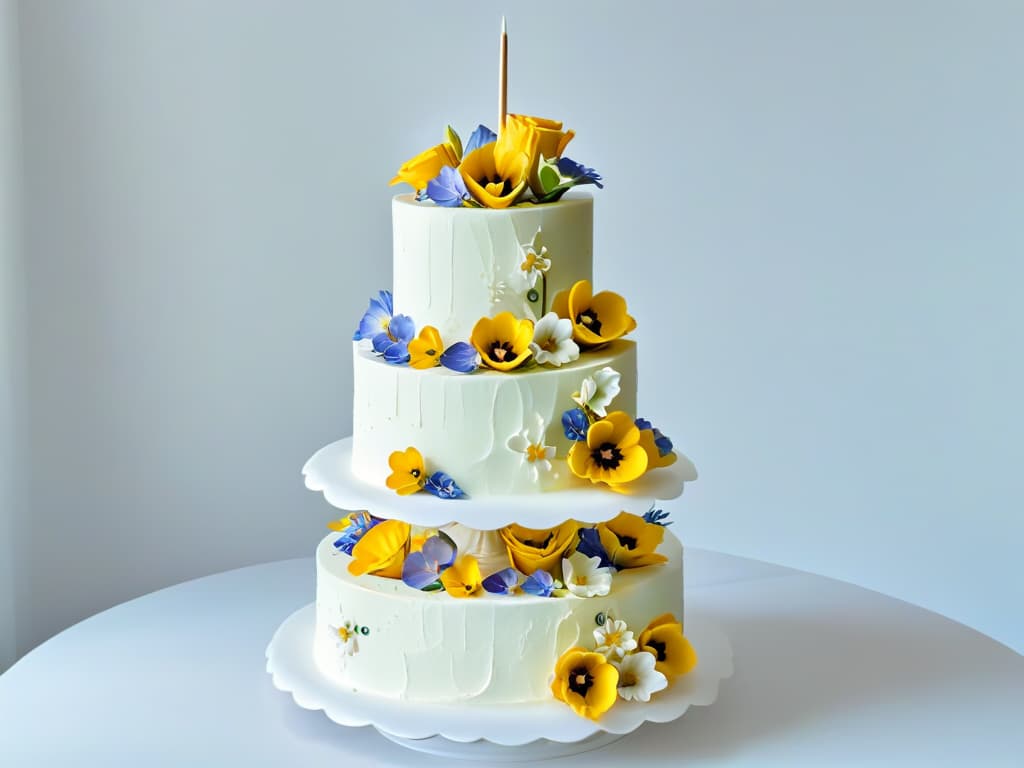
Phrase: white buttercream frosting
[429,646]
[461,423]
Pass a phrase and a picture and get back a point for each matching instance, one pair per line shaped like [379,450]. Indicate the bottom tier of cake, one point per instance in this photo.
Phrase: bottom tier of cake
[428,646]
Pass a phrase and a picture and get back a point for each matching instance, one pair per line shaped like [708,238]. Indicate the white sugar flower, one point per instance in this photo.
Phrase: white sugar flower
[552,341]
[638,678]
[535,260]
[613,639]
[585,577]
[598,391]
[345,638]
[530,442]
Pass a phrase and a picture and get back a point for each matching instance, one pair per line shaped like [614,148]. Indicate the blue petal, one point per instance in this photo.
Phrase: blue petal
[591,546]
[657,517]
[376,318]
[448,189]
[577,173]
[381,341]
[481,136]
[575,424]
[461,357]
[643,424]
[663,442]
[397,353]
[539,583]
[418,572]
[502,582]
[402,328]
[440,549]
[442,486]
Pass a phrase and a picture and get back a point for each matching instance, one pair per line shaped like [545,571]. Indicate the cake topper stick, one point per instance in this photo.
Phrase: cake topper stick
[503,78]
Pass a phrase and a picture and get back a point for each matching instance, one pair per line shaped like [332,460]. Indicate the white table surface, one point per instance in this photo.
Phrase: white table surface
[826,673]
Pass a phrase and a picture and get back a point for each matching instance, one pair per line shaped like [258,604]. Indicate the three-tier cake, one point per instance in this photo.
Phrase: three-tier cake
[505,547]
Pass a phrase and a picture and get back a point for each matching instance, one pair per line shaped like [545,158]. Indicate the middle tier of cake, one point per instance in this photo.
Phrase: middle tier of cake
[462,424]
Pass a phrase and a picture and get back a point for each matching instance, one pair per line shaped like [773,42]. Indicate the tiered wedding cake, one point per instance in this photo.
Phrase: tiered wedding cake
[508,549]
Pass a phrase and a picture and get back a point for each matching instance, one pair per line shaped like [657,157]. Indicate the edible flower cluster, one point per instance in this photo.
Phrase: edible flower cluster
[611,447]
[522,163]
[409,475]
[570,559]
[621,665]
[394,338]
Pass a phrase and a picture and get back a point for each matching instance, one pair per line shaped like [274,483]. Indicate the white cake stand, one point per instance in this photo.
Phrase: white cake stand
[506,733]
[329,471]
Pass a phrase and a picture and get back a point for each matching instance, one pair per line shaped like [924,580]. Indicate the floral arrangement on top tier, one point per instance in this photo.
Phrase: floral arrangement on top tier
[571,559]
[523,163]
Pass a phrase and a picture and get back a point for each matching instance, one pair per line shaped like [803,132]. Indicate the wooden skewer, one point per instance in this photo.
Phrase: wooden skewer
[503,78]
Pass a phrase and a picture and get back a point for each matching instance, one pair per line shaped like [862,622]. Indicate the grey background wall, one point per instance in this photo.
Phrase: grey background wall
[814,209]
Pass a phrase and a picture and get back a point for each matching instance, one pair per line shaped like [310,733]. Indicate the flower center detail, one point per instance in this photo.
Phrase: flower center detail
[659,649]
[536,453]
[580,681]
[588,318]
[628,542]
[627,680]
[607,456]
[613,639]
[415,473]
[431,352]
[501,351]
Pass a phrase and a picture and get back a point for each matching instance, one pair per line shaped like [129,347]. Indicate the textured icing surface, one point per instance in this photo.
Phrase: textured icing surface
[428,646]
[462,423]
[453,266]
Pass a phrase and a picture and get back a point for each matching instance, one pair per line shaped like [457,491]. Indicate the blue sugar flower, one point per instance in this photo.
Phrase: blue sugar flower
[442,486]
[359,524]
[423,568]
[504,582]
[448,190]
[539,583]
[591,546]
[657,517]
[376,318]
[662,442]
[481,136]
[461,357]
[574,173]
[575,424]
[393,343]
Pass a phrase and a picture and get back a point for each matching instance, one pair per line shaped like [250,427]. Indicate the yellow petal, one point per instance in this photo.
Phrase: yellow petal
[425,350]
[625,432]
[654,458]
[462,578]
[419,170]
[380,547]
[560,304]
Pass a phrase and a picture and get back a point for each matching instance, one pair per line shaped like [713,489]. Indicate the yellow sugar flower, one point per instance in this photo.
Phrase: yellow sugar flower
[408,473]
[655,459]
[612,452]
[664,638]
[381,551]
[425,350]
[596,318]
[586,682]
[463,578]
[532,549]
[551,143]
[496,174]
[426,165]
[502,341]
[631,541]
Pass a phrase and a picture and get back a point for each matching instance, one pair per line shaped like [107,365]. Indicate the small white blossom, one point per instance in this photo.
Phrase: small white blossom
[535,260]
[529,441]
[613,639]
[585,577]
[552,341]
[598,391]
[638,678]
[345,638]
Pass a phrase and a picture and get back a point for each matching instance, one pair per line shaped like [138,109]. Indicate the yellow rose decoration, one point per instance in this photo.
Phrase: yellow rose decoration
[381,551]
[551,143]
[532,549]
[630,541]
[586,682]
[596,319]
[462,578]
[664,639]
[425,350]
[502,341]
[612,452]
[408,473]
[426,165]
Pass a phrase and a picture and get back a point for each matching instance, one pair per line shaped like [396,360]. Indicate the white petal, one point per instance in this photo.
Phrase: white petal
[518,443]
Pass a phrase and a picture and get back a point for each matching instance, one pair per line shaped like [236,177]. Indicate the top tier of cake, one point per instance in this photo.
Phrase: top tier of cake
[453,266]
